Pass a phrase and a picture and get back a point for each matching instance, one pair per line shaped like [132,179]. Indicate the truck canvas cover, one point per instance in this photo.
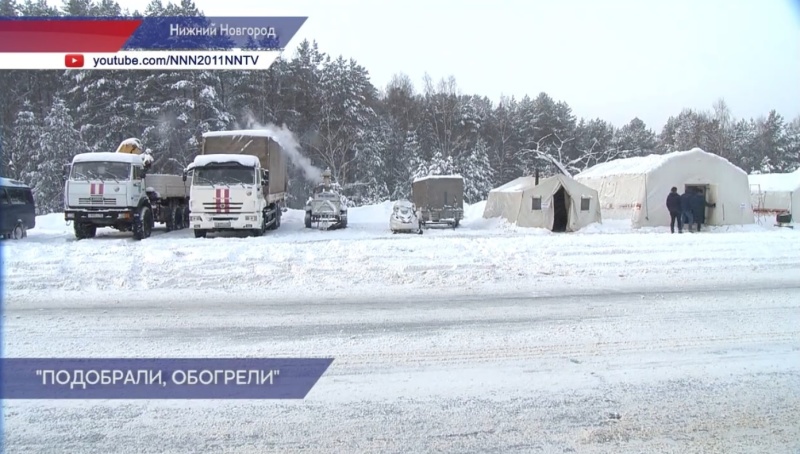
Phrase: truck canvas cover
[436,192]
[254,143]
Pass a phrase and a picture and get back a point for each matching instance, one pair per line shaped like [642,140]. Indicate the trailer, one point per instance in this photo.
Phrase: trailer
[240,182]
[115,190]
[439,199]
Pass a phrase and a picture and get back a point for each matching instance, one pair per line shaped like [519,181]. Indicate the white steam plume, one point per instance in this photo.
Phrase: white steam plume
[287,140]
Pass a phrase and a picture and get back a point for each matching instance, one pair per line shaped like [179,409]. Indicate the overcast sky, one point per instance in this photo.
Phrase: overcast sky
[613,59]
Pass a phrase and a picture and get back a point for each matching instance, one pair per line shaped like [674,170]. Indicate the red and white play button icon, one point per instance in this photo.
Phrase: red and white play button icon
[73,60]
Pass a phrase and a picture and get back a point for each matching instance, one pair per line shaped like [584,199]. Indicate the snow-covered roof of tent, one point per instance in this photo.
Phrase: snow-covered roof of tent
[780,182]
[108,156]
[439,177]
[240,133]
[9,183]
[242,159]
[517,185]
[641,164]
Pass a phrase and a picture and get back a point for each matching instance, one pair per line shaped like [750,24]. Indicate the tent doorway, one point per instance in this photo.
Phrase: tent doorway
[704,191]
[560,213]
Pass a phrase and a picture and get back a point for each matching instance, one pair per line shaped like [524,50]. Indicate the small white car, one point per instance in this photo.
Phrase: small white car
[405,218]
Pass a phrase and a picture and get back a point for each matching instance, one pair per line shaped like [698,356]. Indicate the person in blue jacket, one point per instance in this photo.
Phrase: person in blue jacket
[699,204]
[686,209]
[674,208]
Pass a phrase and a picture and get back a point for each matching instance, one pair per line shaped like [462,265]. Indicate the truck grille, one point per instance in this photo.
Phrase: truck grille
[222,207]
[97,201]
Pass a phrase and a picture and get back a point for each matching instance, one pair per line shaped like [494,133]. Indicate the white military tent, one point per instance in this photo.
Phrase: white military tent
[776,192]
[637,188]
[557,203]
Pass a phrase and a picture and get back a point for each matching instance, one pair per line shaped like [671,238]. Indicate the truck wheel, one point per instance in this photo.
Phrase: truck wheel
[84,230]
[200,233]
[143,225]
[172,219]
[19,232]
[179,222]
[276,221]
[308,220]
[278,213]
[259,232]
[183,220]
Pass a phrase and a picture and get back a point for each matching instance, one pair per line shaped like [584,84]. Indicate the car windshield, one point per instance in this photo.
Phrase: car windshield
[226,174]
[101,170]
[403,209]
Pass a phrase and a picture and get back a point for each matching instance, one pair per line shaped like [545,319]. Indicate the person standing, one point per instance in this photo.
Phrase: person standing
[674,208]
[686,209]
[699,204]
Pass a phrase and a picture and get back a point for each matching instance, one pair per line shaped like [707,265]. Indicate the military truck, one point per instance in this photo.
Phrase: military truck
[239,183]
[439,199]
[107,189]
[326,207]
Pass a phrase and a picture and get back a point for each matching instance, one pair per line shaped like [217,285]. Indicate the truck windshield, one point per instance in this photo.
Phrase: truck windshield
[229,174]
[101,170]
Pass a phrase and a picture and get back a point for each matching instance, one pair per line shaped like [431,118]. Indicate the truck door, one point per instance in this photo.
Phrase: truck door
[137,185]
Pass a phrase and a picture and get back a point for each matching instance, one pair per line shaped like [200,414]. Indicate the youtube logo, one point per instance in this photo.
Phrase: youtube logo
[73,60]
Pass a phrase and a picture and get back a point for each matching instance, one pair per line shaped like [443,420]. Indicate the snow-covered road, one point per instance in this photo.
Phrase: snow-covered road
[699,370]
[487,338]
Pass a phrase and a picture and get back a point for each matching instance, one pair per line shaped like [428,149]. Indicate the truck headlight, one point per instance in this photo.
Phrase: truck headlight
[195,218]
[250,218]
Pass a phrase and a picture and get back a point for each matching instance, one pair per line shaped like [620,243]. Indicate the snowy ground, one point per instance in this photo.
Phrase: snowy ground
[367,257]
[486,338]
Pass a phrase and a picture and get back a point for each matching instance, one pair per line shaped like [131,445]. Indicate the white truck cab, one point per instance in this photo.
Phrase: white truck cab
[228,193]
[115,190]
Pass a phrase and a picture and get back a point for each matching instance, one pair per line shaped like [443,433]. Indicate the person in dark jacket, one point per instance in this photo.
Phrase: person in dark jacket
[686,209]
[674,208]
[699,204]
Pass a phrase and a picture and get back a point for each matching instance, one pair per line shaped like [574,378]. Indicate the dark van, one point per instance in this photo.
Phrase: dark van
[17,209]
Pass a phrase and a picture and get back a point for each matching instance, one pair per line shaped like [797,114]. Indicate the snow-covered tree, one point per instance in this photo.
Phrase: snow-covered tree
[22,143]
[476,168]
[60,141]
[634,139]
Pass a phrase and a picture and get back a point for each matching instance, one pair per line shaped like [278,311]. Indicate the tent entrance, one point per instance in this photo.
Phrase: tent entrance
[706,191]
[560,212]
[695,187]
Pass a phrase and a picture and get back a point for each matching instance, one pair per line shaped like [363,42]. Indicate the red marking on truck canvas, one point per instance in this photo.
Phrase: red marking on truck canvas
[97,188]
[223,200]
